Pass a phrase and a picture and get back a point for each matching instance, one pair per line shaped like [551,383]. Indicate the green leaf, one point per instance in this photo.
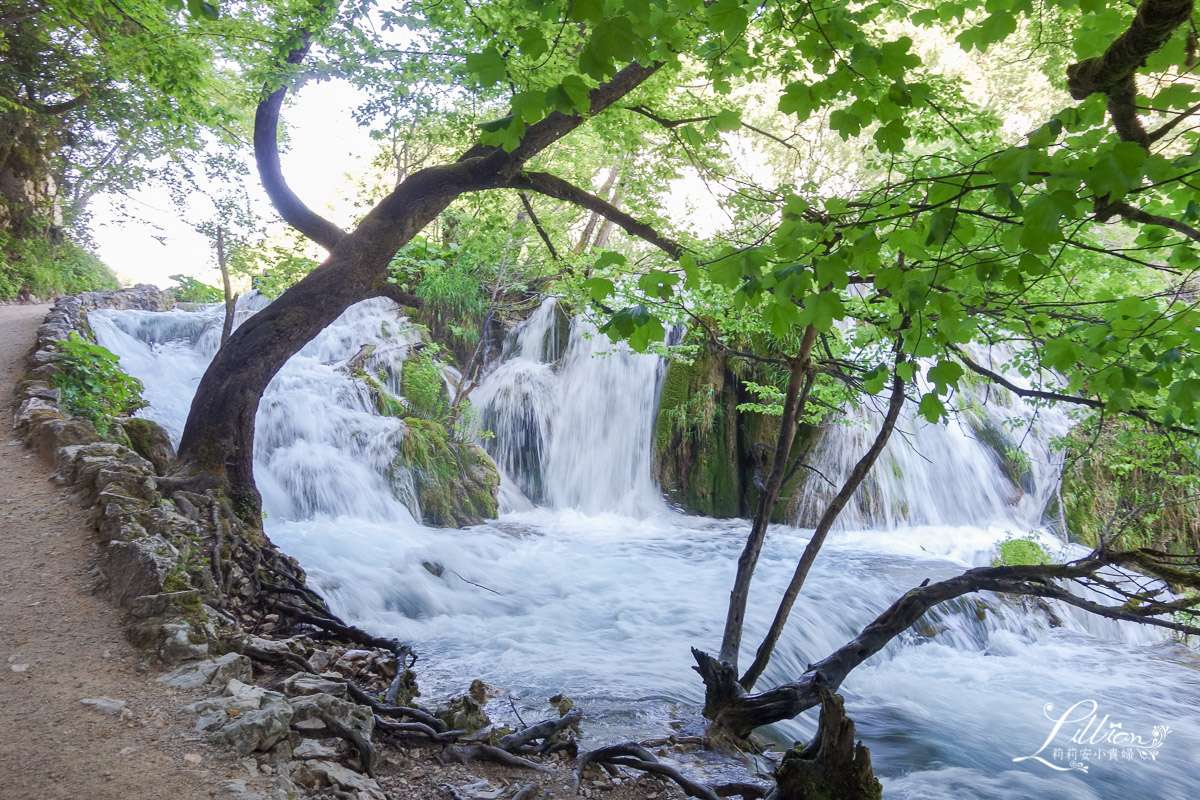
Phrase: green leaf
[658,284]
[599,288]
[891,138]
[941,224]
[782,316]
[931,407]
[570,96]
[532,43]
[728,17]
[945,375]
[487,66]
[726,271]
[845,123]
[798,99]
[824,308]
[727,120]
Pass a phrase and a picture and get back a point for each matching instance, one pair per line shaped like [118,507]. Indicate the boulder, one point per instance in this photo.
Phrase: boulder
[464,714]
[302,684]
[220,670]
[137,568]
[326,774]
[151,441]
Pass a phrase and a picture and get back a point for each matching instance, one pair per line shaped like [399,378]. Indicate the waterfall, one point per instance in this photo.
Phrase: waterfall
[573,425]
[992,463]
[590,585]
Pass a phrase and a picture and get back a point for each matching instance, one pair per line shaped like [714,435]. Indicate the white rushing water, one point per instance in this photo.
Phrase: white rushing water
[589,584]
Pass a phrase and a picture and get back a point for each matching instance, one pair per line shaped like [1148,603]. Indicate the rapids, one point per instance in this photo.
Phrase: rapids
[590,585]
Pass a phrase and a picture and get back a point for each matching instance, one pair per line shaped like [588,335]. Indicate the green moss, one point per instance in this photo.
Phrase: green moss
[456,482]
[1124,472]
[675,391]
[177,581]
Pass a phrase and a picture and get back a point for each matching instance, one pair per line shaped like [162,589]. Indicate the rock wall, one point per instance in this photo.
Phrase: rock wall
[150,547]
[708,455]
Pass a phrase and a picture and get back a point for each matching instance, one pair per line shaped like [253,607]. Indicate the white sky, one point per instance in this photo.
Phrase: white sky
[325,145]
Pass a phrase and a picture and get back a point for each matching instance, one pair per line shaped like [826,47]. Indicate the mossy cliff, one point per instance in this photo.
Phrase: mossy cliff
[1132,485]
[706,451]
[453,481]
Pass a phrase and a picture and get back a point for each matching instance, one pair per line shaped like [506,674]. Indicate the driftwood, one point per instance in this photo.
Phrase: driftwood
[833,764]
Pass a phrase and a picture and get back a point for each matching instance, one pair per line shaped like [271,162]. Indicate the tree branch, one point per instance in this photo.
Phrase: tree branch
[553,186]
[1089,402]
[393,292]
[749,711]
[824,525]
[266,157]
[537,225]
[1150,29]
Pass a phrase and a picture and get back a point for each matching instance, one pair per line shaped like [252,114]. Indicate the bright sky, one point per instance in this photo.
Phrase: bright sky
[325,146]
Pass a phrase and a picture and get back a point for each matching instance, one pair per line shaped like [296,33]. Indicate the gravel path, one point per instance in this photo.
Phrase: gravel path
[59,644]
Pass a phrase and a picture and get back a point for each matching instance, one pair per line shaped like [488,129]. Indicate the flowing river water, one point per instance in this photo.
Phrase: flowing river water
[589,584]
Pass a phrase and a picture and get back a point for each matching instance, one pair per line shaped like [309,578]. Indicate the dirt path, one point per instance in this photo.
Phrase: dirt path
[59,644]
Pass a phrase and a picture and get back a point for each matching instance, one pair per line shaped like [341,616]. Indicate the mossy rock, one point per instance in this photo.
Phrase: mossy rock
[150,441]
[696,437]
[464,714]
[456,482]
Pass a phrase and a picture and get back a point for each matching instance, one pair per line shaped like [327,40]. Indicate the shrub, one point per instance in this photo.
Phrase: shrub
[93,385]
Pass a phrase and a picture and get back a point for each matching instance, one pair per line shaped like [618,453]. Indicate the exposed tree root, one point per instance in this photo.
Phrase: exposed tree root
[466,753]
[546,731]
[635,756]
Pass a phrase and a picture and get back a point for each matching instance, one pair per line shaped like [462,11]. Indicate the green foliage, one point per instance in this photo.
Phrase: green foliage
[424,387]
[1138,488]
[38,266]
[1015,552]
[452,280]
[191,290]
[93,385]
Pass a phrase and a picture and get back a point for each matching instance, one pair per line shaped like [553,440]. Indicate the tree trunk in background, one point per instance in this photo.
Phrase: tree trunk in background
[586,237]
[606,228]
[230,297]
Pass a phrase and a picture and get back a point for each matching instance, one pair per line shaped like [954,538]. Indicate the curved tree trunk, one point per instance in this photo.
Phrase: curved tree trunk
[218,440]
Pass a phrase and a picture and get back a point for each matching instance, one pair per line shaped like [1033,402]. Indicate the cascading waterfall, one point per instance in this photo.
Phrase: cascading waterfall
[993,463]
[590,585]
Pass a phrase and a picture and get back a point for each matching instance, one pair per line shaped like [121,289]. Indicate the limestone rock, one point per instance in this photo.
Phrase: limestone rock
[304,684]
[34,412]
[138,568]
[151,441]
[56,433]
[340,716]
[246,719]
[323,774]
[256,730]
[105,705]
[311,748]
[181,642]
[214,670]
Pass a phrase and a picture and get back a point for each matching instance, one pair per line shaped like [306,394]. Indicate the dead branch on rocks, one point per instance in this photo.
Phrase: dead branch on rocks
[545,730]
[466,753]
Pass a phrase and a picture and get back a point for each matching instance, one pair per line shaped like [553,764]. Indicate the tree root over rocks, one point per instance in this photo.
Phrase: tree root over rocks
[635,756]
